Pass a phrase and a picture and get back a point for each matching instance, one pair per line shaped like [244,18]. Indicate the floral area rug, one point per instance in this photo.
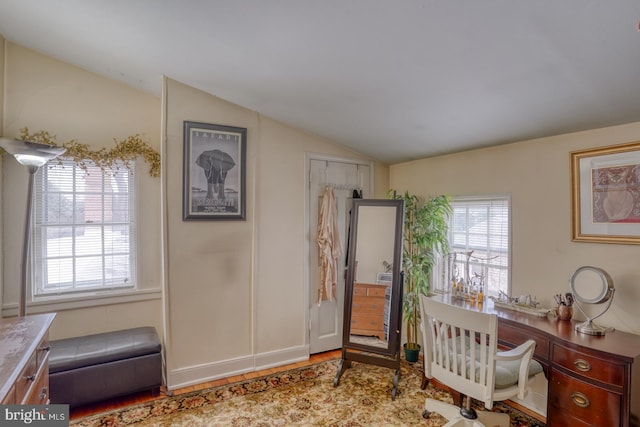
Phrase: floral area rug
[299,397]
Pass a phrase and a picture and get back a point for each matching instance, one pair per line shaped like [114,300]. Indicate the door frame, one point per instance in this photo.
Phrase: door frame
[307,238]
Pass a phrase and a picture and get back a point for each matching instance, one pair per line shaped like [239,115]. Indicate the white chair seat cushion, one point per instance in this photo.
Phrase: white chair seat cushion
[506,372]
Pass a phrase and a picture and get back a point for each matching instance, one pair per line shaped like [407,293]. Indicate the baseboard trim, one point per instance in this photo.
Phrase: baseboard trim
[193,375]
[285,356]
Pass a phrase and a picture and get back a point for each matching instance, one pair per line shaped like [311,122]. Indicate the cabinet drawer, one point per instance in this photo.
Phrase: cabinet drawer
[359,291]
[10,398]
[361,305]
[377,291]
[557,417]
[26,377]
[588,366]
[513,337]
[43,350]
[366,322]
[570,397]
[39,392]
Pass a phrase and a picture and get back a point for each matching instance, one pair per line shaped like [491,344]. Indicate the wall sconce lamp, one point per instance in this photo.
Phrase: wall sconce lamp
[33,155]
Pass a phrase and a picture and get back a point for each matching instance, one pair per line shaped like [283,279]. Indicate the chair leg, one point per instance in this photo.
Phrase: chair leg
[467,411]
[424,383]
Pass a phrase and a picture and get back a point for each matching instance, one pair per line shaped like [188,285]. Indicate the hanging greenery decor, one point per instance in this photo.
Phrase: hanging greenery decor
[125,150]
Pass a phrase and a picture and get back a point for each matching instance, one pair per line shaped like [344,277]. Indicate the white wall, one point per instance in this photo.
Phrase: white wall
[2,61]
[42,93]
[236,289]
[537,175]
[233,296]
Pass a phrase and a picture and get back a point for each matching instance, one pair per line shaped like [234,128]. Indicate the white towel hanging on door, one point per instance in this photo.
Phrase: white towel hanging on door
[329,246]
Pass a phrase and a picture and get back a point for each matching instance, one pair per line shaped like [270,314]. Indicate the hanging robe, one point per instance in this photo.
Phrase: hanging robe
[329,246]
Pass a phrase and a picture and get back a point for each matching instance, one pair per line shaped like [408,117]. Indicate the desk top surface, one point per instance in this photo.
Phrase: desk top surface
[615,342]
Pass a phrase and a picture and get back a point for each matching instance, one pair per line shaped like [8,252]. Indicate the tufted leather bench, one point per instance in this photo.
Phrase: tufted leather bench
[93,368]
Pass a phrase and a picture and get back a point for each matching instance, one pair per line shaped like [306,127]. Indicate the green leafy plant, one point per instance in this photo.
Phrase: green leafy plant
[425,236]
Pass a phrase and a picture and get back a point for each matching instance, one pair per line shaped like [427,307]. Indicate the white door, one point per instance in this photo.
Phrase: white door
[325,317]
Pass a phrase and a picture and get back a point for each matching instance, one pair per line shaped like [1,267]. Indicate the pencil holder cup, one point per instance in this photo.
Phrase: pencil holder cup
[565,312]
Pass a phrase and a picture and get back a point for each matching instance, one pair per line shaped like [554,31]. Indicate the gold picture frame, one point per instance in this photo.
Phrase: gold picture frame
[605,194]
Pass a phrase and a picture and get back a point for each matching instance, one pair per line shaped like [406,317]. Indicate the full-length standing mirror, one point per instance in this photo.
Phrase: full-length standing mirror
[373,288]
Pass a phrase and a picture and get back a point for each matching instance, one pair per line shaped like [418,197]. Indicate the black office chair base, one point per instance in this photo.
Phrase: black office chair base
[453,415]
[469,414]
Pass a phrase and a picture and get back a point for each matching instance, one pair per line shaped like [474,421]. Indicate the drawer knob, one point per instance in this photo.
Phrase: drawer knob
[45,348]
[582,365]
[43,393]
[580,400]
[30,377]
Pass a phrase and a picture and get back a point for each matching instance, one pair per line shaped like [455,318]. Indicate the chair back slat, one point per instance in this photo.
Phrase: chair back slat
[463,346]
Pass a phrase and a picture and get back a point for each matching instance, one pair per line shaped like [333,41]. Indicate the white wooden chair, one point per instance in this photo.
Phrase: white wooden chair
[460,351]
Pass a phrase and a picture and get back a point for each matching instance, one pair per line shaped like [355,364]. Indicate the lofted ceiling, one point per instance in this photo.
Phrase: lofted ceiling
[393,79]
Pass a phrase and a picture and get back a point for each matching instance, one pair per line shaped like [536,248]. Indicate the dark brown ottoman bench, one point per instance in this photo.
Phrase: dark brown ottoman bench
[93,368]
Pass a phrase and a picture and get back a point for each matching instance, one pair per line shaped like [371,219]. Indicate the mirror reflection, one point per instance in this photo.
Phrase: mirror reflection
[373,276]
[373,287]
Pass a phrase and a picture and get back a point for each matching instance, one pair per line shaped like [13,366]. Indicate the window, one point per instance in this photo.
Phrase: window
[479,239]
[84,230]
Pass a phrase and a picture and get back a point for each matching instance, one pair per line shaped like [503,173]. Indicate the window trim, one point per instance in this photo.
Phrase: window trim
[149,275]
[38,256]
[489,198]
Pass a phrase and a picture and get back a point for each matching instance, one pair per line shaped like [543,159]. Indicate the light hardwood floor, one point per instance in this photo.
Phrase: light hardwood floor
[123,402]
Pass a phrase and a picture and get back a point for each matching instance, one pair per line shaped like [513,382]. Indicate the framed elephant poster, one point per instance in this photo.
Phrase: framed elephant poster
[214,172]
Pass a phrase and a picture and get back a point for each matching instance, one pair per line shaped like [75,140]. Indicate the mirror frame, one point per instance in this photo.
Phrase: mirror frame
[395,313]
[606,295]
[606,289]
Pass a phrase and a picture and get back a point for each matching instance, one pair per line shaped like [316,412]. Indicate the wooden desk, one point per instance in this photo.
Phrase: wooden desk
[593,380]
[24,360]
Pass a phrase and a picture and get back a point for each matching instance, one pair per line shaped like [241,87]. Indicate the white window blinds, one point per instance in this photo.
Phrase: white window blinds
[481,226]
[84,229]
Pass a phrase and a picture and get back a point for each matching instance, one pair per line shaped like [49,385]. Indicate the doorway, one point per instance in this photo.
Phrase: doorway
[343,176]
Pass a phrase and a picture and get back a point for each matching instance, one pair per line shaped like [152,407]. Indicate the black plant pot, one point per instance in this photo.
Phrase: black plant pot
[411,354]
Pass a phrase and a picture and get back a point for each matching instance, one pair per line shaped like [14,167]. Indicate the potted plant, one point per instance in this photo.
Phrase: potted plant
[425,236]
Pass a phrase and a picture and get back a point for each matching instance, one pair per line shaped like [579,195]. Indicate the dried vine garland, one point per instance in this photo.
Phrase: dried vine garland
[125,150]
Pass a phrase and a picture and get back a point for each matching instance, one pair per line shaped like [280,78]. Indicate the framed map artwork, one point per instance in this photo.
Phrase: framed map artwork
[605,194]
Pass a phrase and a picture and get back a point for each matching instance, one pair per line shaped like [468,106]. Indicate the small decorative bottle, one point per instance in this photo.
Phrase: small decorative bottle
[481,295]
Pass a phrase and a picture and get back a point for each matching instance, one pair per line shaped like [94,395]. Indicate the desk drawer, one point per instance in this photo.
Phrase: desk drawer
[588,366]
[514,336]
[572,398]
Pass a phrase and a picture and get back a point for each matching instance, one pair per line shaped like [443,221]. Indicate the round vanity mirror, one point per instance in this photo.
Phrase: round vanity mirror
[591,285]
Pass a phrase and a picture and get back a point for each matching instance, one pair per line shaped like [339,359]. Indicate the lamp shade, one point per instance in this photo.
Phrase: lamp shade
[29,153]
[33,155]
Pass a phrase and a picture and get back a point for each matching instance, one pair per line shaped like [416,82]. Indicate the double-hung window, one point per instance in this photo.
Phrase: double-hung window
[84,238]
[479,238]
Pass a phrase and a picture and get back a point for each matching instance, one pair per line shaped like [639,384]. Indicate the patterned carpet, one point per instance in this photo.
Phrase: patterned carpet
[299,397]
